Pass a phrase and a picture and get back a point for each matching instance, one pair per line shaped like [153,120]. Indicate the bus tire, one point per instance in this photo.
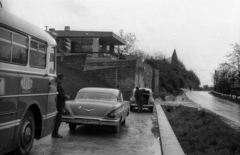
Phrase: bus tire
[26,134]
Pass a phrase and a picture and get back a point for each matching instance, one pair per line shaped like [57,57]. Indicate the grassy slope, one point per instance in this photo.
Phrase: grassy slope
[76,80]
[202,133]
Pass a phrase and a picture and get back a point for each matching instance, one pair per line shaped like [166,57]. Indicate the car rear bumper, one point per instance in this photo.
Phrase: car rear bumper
[144,105]
[90,121]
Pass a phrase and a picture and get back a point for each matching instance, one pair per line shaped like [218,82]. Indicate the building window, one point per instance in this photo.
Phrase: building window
[87,48]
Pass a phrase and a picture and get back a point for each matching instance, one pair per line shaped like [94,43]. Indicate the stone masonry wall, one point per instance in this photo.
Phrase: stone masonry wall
[126,69]
[147,76]
[109,75]
[74,61]
[144,75]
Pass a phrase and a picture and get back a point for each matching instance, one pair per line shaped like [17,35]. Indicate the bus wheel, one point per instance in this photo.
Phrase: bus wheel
[26,134]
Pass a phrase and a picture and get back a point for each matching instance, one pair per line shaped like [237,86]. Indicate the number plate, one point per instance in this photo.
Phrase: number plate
[85,121]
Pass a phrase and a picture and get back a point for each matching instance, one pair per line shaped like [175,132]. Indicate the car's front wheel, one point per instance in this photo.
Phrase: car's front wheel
[72,126]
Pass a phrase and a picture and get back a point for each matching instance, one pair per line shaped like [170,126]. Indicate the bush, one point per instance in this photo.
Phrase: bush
[169,88]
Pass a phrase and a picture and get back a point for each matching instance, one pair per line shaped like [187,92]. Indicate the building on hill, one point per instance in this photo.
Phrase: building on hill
[91,52]
[92,43]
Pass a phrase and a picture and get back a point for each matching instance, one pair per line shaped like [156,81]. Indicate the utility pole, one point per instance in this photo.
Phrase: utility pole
[46,27]
[1,4]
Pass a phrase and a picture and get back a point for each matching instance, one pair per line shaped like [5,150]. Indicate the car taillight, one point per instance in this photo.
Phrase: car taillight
[114,113]
[65,112]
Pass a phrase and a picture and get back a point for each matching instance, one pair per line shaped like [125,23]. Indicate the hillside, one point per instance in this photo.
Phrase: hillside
[76,80]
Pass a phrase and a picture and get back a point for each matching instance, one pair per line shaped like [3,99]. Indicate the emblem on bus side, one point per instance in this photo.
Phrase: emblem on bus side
[26,83]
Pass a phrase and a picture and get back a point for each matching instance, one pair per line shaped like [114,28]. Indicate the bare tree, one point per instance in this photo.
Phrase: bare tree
[130,39]
[234,58]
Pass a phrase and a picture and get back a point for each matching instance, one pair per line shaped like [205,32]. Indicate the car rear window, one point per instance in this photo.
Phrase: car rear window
[97,96]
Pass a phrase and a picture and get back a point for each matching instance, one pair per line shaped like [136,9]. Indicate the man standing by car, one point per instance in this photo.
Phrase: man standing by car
[61,97]
[139,98]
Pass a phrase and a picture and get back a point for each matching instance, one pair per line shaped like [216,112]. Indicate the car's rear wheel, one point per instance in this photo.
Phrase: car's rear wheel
[72,126]
[151,109]
[124,122]
[26,134]
[116,129]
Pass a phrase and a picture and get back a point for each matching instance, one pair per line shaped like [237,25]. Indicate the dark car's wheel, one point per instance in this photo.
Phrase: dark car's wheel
[131,108]
[26,134]
[72,126]
[151,109]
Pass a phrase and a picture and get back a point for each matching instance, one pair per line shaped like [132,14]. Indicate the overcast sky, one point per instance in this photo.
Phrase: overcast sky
[201,31]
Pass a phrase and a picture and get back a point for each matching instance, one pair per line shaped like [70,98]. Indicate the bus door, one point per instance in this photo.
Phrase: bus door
[8,109]
[51,107]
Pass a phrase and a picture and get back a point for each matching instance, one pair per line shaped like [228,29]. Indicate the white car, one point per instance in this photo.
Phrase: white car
[96,106]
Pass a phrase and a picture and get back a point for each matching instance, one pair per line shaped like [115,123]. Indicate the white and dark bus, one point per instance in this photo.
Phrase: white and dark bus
[27,83]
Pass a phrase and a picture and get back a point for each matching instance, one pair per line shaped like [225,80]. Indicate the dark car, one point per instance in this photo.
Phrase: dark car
[148,100]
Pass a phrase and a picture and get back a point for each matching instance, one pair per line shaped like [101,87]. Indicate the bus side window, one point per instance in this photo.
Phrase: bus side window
[19,50]
[37,54]
[52,61]
[13,49]
[5,51]
[5,45]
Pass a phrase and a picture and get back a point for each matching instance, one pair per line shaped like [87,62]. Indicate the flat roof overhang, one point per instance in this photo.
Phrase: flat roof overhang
[109,37]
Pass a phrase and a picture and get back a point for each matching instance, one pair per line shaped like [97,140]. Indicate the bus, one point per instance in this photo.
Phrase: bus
[27,84]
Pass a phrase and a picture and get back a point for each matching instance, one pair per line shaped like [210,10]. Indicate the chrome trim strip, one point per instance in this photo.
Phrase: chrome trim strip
[24,95]
[50,115]
[8,113]
[9,124]
[26,72]
[88,109]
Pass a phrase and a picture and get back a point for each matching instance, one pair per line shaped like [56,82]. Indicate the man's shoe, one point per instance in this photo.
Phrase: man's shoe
[57,136]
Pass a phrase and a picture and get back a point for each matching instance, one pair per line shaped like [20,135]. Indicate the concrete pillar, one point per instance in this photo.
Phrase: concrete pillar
[156,80]
[95,47]
[104,47]
[111,49]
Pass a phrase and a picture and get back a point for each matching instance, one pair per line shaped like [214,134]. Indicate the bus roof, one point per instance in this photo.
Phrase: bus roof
[10,20]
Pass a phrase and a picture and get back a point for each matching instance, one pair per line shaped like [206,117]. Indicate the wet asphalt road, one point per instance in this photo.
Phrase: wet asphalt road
[134,138]
[224,108]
